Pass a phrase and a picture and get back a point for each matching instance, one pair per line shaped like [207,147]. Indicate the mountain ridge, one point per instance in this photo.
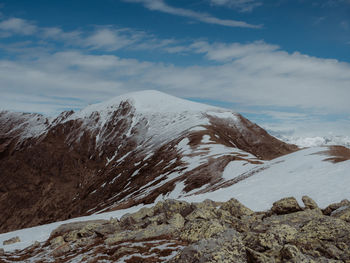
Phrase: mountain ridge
[112,156]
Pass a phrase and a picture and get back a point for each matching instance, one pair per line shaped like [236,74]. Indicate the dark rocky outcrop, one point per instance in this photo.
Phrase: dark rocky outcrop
[180,232]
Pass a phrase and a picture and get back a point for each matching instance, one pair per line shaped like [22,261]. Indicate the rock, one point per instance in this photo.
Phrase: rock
[203,213]
[236,208]
[61,250]
[171,206]
[332,207]
[36,244]
[207,204]
[201,229]
[154,220]
[82,242]
[225,217]
[72,236]
[343,213]
[177,221]
[204,232]
[57,242]
[283,233]
[285,206]
[256,257]
[226,247]
[139,215]
[315,237]
[2,252]
[151,231]
[309,203]
[291,253]
[128,222]
[11,241]
[105,229]
[261,241]
[89,229]
[65,228]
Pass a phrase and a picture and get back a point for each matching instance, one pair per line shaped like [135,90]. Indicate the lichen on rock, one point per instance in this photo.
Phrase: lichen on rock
[179,232]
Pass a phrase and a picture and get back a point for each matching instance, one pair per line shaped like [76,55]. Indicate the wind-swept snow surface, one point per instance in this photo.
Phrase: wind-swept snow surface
[304,172]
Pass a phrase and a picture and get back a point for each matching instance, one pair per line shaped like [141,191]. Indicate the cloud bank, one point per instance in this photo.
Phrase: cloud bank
[292,87]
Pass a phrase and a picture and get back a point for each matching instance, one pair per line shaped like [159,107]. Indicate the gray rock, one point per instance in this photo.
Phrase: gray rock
[226,247]
[285,206]
[65,228]
[61,250]
[309,203]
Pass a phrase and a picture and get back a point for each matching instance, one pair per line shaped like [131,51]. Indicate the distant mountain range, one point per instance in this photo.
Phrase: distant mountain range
[316,141]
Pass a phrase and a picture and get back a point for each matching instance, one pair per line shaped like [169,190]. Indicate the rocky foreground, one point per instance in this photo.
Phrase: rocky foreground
[176,231]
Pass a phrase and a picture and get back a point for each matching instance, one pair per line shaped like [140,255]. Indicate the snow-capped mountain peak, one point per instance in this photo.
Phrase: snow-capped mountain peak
[129,150]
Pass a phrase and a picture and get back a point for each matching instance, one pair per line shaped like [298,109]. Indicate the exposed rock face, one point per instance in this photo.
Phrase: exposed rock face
[309,203]
[179,232]
[103,157]
[285,206]
[333,207]
[343,213]
[227,246]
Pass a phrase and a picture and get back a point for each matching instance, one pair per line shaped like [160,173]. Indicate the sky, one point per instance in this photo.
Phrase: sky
[284,64]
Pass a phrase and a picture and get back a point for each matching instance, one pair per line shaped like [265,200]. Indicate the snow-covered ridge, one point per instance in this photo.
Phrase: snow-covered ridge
[157,114]
[150,101]
[165,116]
[26,125]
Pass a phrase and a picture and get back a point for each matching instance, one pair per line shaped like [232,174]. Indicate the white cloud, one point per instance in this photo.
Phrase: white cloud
[18,26]
[261,76]
[56,33]
[160,5]
[226,52]
[105,38]
[241,5]
[110,39]
[252,74]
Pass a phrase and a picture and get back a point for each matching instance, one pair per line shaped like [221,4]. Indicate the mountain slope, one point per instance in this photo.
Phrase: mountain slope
[129,150]
[305,172]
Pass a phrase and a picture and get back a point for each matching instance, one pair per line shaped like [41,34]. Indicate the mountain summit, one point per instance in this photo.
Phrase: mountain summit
[129,150]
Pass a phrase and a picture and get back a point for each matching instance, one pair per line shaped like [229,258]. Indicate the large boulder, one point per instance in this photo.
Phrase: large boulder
[236,209]
[332,207]
[152,231]
[201,229]
[57,242]
[286,206]
[76,226]
[224,247]
[61,250]
[343,213]
[309,203]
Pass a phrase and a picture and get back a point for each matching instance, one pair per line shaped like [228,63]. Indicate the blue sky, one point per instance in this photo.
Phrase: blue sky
[285,64]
